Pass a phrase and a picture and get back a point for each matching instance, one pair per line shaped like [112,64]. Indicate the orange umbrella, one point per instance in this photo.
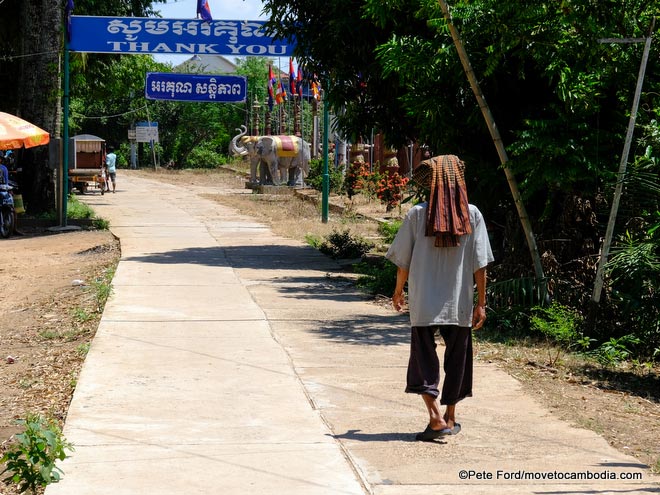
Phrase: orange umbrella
[17,133]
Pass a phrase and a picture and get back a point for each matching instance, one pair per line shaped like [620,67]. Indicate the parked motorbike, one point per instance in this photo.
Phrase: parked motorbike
[7,212]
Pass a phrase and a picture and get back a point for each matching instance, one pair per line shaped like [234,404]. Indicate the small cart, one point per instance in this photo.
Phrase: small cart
[86,163]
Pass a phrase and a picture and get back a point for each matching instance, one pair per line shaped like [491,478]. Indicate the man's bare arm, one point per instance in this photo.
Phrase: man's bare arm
[479,313]
[398,298]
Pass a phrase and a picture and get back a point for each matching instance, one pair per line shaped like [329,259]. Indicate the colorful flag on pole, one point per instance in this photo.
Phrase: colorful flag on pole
[292,78]
[271,82]
[280,93]
[203,10]
[315,88]
[299,82]
[69,11]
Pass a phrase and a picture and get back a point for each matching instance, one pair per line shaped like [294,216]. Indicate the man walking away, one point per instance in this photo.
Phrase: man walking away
[441,250]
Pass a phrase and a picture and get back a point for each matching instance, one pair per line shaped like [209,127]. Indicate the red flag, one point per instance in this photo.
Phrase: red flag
[292,78]
[203,10]
[299,83]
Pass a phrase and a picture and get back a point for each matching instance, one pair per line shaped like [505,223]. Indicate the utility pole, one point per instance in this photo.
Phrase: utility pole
[607,242]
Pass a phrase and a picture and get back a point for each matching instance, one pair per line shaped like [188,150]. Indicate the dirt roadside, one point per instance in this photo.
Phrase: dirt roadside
[49,313]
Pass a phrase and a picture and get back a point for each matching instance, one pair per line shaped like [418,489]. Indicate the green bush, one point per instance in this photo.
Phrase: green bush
[377,278]
[389,230]
[315,177]
[314,240]
[506,325]
[634,272]
[76,210]
[204,158]
[615,351]
[30,460]
[124,155]
[343,245]
[560,324]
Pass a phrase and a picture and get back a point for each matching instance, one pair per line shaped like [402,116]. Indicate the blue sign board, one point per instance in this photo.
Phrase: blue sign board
[174,36]
[195,87]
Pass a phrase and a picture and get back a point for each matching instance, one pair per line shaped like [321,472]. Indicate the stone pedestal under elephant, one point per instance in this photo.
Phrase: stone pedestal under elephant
[276,158]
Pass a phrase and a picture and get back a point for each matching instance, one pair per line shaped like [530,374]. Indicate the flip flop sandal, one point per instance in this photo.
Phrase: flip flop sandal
[456,429]
[430,434]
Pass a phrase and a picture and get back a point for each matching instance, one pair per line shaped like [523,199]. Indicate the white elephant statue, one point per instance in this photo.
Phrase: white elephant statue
[286,157]
[277,158]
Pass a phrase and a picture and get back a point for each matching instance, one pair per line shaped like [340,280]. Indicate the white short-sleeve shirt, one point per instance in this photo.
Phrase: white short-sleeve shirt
[440,279]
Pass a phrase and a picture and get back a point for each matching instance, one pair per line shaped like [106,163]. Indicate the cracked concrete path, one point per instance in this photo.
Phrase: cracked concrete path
[233,361]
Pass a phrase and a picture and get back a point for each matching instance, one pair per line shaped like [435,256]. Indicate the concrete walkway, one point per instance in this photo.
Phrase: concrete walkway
[232,361]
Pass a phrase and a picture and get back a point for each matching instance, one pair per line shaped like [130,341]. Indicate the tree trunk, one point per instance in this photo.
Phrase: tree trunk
[497,140]
[39,98]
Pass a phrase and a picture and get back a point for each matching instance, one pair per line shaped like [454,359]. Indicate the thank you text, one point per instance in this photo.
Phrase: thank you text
[174,36]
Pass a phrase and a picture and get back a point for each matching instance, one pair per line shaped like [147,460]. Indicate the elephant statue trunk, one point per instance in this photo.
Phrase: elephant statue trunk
[247,148]
[235,148]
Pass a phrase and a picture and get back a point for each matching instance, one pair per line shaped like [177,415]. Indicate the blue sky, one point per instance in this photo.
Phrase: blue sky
[231,10]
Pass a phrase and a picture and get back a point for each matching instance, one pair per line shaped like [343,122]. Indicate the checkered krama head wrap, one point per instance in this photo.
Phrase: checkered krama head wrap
[448,215]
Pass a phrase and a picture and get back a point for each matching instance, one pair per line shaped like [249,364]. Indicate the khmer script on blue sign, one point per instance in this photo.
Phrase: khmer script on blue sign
[195,87]
[174,36]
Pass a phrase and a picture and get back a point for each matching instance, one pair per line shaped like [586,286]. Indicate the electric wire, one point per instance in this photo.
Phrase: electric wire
[112,116]
[25,55]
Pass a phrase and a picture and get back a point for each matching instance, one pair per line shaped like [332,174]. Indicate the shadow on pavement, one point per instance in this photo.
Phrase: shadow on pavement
[367,330]
[375,330]
[358,436]
[272,257]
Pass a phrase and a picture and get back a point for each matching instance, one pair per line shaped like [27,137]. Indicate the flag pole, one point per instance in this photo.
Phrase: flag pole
[326,176]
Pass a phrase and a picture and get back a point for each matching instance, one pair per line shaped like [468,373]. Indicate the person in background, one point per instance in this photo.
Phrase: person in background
[111,166]
[4,171]
[441,250]
[4,179]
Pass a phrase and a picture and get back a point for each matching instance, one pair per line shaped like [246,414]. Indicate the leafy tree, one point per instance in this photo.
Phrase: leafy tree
[29,64]
[31,68]
[560,97]
[256,71]
[105,103]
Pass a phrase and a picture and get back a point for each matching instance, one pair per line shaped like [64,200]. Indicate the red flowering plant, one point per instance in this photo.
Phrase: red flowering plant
[356,178]
[390,190]
[372,183]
